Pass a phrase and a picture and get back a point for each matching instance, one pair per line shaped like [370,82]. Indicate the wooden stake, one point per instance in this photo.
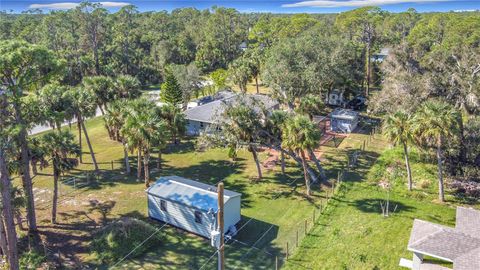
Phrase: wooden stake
[112,164]
[286,253]
[296,240]
[221,249]
[305,227]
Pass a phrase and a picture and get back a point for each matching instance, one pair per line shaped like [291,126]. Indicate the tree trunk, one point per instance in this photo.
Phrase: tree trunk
[282,158]
[441,194]
[318,165]
[367,75]
[305,173]
[7,211]
[159,160]
[79,126]
[257,162]
[291,154]
[25,170]
[139,163]
[146,159]
[34,167]
[463,149]
[125,157]
[56,174]
[90,148]
[3,239]
[407,164]
[256,84]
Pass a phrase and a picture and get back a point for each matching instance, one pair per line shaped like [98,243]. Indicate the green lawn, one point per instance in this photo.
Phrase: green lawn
[350,234]
[353,234]
[273,207]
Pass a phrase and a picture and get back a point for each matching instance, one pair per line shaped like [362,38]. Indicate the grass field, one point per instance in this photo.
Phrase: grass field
[350,234]
[353,234]
[273,207]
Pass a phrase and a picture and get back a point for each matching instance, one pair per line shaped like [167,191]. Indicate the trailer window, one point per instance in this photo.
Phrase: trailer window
[163,205]
[198,217]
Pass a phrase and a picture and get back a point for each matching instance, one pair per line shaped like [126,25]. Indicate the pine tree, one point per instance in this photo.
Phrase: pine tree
[171,91]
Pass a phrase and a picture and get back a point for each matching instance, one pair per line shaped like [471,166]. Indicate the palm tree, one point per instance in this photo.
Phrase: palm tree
[275,124]
[435,122]
[115,117]
[127,87]
[311,105]
[63,152]
[397,128]
[300,134]
[102,87]
[83,105]
[241,126]
[240,72]
[175,120]
[145,130]
[55,104]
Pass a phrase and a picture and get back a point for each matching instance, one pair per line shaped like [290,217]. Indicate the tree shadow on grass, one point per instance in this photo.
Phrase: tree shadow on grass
[373,206]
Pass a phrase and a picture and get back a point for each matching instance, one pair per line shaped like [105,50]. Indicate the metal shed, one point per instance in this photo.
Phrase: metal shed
[344,120]
[191,205]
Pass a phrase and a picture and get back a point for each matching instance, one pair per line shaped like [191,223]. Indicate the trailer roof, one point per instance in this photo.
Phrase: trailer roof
[189,192]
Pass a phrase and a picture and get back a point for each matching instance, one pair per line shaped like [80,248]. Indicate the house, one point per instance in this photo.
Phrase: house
[201,119]
[191,205]
[206,99]
[459,245]
[344,120]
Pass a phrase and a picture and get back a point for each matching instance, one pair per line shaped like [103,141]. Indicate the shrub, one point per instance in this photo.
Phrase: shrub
[117,239]
[31,260]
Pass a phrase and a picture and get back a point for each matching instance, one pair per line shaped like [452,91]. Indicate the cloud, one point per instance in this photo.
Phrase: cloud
[69,5]
[354,3]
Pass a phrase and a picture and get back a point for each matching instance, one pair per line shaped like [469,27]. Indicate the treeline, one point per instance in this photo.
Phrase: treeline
[65,64]
[93,41]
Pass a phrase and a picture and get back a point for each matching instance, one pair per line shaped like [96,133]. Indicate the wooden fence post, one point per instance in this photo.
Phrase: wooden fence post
[296,239]
[305,227]
[286,253]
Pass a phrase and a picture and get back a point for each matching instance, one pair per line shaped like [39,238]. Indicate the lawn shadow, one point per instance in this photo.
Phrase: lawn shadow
[373,206]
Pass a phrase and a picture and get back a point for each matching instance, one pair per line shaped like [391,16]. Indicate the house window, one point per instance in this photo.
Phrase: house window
[198,217]
[201,124]
[163,205]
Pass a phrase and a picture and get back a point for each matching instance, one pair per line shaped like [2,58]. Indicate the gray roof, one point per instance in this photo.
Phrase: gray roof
[344,114]
[189,192]
[460,245]
[211,112]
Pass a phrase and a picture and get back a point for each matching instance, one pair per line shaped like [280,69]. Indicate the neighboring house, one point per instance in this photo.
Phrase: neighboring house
[199,101]
[380,56]
[207,99]
[335,98]
[344,120]
[459,245]
[201,118]
[192,205]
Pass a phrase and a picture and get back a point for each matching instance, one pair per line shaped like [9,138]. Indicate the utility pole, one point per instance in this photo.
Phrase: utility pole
[221,248]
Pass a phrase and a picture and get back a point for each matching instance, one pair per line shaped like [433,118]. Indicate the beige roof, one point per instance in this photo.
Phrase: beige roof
[460,245]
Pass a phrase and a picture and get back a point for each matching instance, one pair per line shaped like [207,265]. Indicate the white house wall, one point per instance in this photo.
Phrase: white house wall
[232,212]
[179,215]
[195,127]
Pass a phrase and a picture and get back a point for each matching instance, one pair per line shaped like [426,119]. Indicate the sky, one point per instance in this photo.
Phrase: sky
[273,6]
